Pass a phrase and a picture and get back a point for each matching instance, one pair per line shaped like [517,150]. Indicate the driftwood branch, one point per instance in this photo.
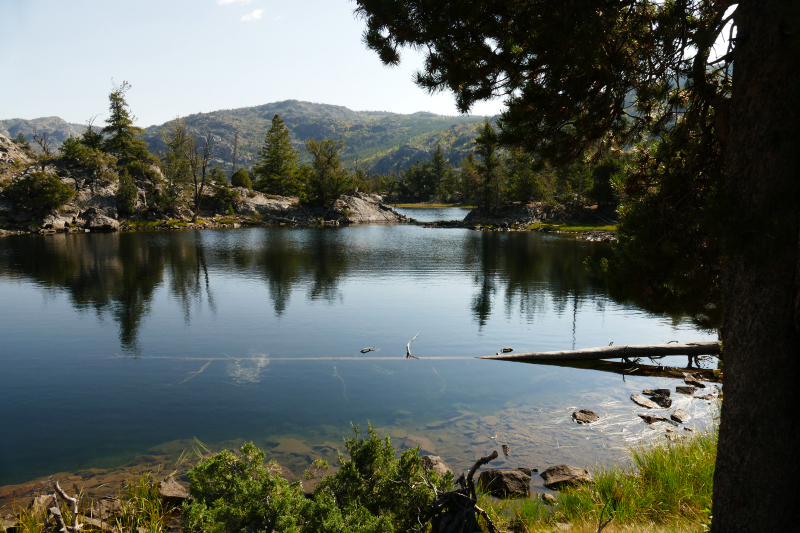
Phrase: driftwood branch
[408,348]
[56,512]
[614,352]
[482,461]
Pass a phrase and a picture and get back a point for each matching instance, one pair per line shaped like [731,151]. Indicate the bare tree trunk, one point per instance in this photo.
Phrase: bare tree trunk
[235,150]
[205,159]
[756,479]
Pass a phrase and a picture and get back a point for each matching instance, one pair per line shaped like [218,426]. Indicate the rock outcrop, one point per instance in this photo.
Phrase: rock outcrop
[505,483]
[361,208]
[560,476]
[518,214]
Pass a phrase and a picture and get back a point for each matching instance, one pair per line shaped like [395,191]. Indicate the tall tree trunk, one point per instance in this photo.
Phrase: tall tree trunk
[757,479]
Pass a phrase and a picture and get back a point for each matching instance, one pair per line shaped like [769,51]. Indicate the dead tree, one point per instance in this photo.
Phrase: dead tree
[41,139]
[457,511]
[199,160]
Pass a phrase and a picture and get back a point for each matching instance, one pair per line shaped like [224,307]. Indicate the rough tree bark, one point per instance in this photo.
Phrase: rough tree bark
[756,480]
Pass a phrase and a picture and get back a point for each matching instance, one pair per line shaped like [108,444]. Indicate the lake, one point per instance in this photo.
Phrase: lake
[122,349]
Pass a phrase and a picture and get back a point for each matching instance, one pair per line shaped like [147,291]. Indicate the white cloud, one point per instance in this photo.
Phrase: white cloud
[226,2]
[255,15]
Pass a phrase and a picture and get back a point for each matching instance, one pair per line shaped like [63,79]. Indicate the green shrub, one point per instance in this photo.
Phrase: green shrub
[126,194]
[39,193]
[240,178]
[372,492]
[224,198]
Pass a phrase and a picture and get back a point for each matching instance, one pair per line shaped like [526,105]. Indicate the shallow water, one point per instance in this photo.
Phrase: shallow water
[118,346]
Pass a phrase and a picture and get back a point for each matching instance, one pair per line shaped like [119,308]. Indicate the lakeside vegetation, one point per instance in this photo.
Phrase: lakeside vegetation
[666,487]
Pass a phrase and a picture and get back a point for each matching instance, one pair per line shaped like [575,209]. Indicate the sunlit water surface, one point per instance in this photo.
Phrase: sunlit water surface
[123,348]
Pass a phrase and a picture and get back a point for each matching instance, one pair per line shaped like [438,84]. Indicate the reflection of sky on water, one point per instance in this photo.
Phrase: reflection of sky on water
[125,342]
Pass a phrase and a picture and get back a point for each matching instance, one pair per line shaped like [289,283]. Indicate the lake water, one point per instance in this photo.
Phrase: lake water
[121,349]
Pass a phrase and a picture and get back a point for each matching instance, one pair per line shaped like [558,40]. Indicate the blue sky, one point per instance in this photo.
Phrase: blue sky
[189,56]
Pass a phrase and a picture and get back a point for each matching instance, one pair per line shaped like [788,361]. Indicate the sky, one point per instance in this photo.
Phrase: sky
[59,58]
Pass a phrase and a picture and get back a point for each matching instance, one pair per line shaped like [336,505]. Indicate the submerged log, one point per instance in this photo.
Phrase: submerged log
[615,352]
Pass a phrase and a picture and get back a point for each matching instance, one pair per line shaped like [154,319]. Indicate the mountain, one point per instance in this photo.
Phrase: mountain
[383,141]
[57,129]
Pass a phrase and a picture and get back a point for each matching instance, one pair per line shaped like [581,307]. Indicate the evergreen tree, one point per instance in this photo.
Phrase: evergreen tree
[122,137]
[174,164]
[486,146]
[240,178]
[276,170]
[442,173]
[21,140]
[327,179]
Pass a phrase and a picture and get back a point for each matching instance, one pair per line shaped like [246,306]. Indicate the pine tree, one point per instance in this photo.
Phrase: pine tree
[276,171]
[122,136]
[486,147]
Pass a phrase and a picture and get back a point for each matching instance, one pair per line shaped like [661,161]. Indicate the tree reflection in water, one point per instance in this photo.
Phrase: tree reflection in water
[117,275]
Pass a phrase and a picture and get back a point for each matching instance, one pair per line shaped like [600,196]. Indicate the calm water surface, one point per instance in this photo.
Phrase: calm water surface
[118,348]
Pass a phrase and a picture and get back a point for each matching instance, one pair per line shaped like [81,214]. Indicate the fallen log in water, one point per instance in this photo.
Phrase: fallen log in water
[615,352]
[636,369]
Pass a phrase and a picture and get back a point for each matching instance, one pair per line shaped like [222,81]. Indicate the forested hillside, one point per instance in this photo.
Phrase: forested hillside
[381,141]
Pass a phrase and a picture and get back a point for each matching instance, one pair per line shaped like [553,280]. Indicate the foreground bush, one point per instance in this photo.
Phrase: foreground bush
[372,492]
[39,193]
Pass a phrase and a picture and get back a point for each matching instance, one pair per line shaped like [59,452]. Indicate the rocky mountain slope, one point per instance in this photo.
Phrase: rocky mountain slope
[382,141]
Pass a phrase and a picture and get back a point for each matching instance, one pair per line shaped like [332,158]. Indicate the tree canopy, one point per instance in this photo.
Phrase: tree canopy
[702,96]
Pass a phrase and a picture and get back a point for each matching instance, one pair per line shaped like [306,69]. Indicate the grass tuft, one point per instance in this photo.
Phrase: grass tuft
[666,488]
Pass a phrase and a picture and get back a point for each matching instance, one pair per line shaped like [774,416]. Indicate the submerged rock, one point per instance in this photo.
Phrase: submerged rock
[560,476]
[653,419]
[505,483]
[435,463]
[585,416]
[685,389]
[680,416]
[644,402]
[663,401]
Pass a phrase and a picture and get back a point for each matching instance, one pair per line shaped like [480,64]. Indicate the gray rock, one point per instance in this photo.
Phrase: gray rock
[107,507]
[656,392]
[560,476]
[689,380]
[548,498]
[7,523]
[99,222]
[680,416]
[707,397]
[172,492]
[663,401]
[505,483]
[585,416]
[653,419]
[526,471]
[644,402]
[435,463]
[685,389]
